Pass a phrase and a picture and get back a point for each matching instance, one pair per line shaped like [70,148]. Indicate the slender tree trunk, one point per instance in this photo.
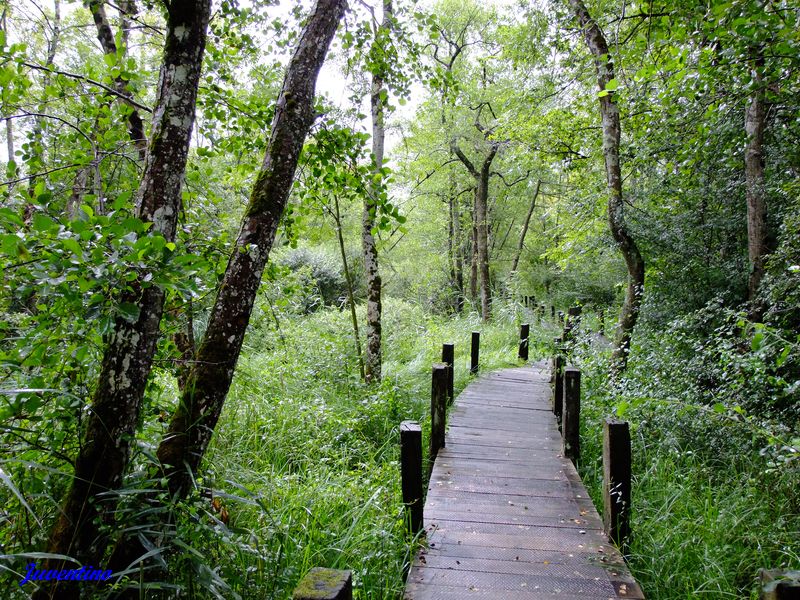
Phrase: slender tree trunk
[482,219]
[372,367]
[458,254]
[109,45]
[754,125]
[127,360]
[609,112]
[348,277]
[201,403]
[525,225]
[473,255]
[37,154]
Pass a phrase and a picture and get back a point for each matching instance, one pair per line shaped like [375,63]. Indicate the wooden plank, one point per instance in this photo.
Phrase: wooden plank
[506,514]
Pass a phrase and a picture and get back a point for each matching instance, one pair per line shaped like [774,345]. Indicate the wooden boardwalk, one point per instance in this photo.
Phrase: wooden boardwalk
[506,516]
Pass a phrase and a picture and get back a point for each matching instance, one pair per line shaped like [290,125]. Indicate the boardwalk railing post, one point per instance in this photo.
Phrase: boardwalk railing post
[475,352]
[411,473]
[325,584]
[552,312]
[524,333]
[438,409]
[558,386]
[602,317]
[571,415]
[616,480]
[572,322]
[448,358]
[779,585]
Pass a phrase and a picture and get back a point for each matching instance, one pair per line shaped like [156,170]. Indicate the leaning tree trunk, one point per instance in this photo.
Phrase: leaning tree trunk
[372,362]
[128,356]
[609,112]
[106,38]
[525,225]
[754,125]
[193,422]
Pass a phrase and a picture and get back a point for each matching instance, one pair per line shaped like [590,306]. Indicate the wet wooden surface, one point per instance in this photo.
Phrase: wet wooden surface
[506,515]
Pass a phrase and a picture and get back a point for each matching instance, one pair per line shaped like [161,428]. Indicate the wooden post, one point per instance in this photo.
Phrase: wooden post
[448,358]
[325,584]
[438,409]
[552,312]
[411,472]
[602,322]
[475,352]
[541,312]
[779,585]
[571,414]
[558,385]
[616,480]
[524,333]
[561,317]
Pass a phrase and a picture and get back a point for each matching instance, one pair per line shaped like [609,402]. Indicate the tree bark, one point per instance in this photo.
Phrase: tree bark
[372,366]
[193,422]
[525,225]
[348,278]
[609,111]
[106,38]
[37,154]
[127,360]
[754,125]
[480,252]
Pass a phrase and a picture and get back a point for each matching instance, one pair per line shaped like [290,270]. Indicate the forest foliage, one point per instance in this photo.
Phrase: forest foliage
[494,186]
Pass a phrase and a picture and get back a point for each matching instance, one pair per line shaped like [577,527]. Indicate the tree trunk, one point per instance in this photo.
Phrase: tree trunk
[525,225]
[106,39]
[348,278]
[482,218]
[609,112]
[458,255]
[372,367]
[473,256]
[37,153]
[754,125]
[480,228]
[201,403]
[127,360]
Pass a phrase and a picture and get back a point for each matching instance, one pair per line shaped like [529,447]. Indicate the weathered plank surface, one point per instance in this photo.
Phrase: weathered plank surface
[506,515]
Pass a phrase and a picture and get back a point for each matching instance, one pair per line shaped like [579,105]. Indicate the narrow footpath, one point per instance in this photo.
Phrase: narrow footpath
[507,516]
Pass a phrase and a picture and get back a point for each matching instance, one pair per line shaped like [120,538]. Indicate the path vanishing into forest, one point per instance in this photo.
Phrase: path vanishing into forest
[506,515]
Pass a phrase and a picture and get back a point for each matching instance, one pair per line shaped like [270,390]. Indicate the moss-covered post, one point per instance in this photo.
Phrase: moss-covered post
[524,333]
[616,480]
[411,473]
[475,352]
[438,409]
[558,385]
[571,414]
[448,358]
[325,584]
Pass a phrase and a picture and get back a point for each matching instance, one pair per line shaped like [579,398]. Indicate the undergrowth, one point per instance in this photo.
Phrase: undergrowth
[716,490]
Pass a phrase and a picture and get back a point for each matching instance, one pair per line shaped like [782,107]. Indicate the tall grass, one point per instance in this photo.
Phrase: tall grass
[306,456]
[710,504]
